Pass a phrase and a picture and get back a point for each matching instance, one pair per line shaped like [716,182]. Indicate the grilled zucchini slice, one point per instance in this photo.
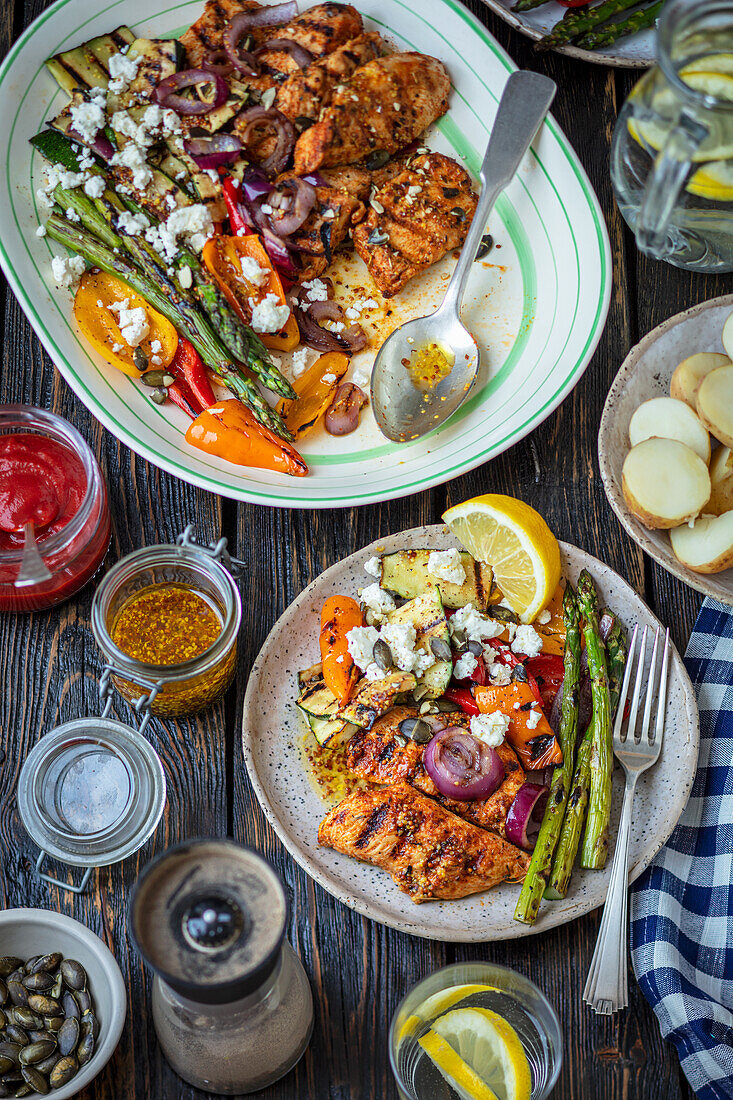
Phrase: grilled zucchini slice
[319,707]
[374,698]
[427,615]
[406,574]
[86,66]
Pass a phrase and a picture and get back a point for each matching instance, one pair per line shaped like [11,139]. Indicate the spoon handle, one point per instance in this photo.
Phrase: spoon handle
[33,569]
[524,103]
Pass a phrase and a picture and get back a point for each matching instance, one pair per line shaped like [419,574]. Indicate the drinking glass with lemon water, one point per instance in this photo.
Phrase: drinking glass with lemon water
[672,152]
[475,1031]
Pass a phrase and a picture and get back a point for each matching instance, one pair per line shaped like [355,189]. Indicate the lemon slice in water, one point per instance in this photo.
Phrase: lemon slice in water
[484,1056]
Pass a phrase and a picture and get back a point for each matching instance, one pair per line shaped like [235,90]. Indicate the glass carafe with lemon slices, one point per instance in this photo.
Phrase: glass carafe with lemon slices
[672,153]
[475,1031]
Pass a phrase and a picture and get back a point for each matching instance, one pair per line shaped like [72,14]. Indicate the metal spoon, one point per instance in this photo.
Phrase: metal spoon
[33,569]
[405,410]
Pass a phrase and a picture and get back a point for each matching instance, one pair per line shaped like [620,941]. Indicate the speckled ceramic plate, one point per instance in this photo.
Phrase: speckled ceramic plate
[273,733]
[634,52]
[537,304]
[646,372]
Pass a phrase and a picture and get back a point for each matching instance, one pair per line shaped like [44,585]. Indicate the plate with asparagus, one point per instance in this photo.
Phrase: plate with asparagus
[619,33]
[317,776]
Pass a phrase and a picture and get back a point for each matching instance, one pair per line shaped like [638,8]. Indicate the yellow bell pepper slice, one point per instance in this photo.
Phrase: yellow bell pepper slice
[315,389]
[97,292]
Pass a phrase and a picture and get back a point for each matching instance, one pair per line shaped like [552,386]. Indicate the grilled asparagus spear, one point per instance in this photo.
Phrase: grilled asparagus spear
[595,840]
[580,20]
[607,35]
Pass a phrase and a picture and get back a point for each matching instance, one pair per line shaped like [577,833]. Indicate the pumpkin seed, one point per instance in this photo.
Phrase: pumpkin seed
[24,1090]
[50,963]
[459,212]
[68,1036]
[487,243]
[519,673]
[48,1063]
[3,1019]
[36,1052]
[459,636]
[377,159]
[26,968]
[446,706]
[17,992]
[39,982]
[84,1000]
[140,359]
[17,1035]
[89,1022]
[4,1090]
[159,395]
[417,730]
[427,707]
[25,1017]
[503,614]
[153,378]
[302,123]
[10,1050]
[71,1008]
[419,692]
[47,1006]
[9,963]
[475,647]
[382,655]
[3,992]
[63,1071]
[6,1064]
[440,648]
[52,1023]
[85,1049]
[36,1080]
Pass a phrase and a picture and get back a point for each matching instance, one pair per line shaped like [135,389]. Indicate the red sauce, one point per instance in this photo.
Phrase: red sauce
[43,481]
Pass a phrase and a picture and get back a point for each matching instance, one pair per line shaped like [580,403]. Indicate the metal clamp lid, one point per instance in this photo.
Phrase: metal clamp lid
[216,550]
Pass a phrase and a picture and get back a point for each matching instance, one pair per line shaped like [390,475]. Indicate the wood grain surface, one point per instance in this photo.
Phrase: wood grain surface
[358,969]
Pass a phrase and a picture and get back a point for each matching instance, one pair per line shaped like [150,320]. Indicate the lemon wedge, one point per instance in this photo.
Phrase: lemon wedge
[485,1057]
[711,63]
[516,542]
[713,181]
[719,85]
[439,1002]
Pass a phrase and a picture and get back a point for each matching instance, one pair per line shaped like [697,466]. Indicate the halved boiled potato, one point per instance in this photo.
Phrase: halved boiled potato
[721,478]
[715,404]
[665,483]
[708,546]
[668,418]
[689,374]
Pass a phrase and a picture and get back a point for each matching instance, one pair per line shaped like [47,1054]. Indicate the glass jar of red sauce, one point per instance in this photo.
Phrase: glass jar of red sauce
[50,477]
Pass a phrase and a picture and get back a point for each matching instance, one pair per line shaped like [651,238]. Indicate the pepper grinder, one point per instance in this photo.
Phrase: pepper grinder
[232,1006]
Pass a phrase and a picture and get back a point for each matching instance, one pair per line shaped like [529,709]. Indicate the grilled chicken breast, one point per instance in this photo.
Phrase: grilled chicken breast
[385,105]
[320,30]
[416,218]
[381,756]
[206,35]
[325,228]
[429,852]
[306,92]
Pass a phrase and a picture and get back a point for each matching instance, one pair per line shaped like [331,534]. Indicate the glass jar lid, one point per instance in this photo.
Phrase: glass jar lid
[91,792]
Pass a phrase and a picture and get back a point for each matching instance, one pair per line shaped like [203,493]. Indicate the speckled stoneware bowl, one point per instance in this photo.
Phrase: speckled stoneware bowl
[273,733]
[645,373]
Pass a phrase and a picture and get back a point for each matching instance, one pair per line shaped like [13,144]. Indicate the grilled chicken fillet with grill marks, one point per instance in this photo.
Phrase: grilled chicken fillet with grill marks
[379,756]
[320,30]
[206,35]
[302,95]
[429,852]
[385,105]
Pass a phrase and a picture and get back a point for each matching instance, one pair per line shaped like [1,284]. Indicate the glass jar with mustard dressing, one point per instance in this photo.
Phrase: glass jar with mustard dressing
[166,619]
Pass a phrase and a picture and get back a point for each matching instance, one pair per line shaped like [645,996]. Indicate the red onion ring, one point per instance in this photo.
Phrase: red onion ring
[165,93]
[463,767]
[342,415]
[313,336]
[355,337]
[218,62]
[525,815]
[272,16]
[326,311]
[214,151]
[242,60]
[101,145]
[300,56]
[284,130]
[300,200]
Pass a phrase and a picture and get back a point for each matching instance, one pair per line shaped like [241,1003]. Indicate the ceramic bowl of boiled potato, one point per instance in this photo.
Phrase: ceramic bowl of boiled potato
[665,446]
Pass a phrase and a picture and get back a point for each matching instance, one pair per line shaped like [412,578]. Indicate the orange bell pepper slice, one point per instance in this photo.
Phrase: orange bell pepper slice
[553,632]
[315,390]
[339,615]
[536,747]
[99,324]
[229,430]
[223,257]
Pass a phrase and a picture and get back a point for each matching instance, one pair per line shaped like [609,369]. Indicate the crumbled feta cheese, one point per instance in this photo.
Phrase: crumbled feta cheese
[336,326]
[316,290]
[117,347]
[446,565]
[155,360]
[361,379]
[122,70]
[185,277]
[376,600]
[352,313]
[533,718]
[132,156]
[490,728]
[133,323]
[475,626]
[156,347]
[328,215]
[400,637]
[192,223]
[95,187]
[373,566]
[500,674]
[299,361]
[329,379]
[360,640]
[72,215]
[252,271]
[41,231]
[464,666]
[527,640]
[266,208]
[268,315]
[87,119]
[544,617]
[67,270]
[132,224]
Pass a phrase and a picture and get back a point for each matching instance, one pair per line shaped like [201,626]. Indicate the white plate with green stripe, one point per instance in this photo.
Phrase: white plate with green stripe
[537,303]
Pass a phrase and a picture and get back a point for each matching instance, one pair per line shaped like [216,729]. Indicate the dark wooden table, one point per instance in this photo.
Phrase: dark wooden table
[358,969]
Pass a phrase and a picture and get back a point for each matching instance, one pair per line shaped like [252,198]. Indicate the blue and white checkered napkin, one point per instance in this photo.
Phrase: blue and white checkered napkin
[682,906]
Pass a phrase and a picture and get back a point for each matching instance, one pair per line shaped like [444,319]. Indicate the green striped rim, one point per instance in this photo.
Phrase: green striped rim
[247,491]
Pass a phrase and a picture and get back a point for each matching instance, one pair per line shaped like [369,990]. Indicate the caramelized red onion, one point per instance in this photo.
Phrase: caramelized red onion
[218,62]
[300,56]
[342,415]
[101,145]
[245,22]
[291,201]
[525,815]
[312,335]
[214,151]
[463,767]
[283,129]
[166,92]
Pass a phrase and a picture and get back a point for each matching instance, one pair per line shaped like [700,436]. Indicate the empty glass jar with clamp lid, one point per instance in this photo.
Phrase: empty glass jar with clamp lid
[166,619]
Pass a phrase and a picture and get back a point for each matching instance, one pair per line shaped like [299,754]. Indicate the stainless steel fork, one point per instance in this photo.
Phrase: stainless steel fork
[606,989]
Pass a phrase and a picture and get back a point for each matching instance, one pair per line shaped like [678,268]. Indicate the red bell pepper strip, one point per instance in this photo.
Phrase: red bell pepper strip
[464,699]
[182,395]
[506,656]
[188,365]
[237,225]
[479,674]
[549,672]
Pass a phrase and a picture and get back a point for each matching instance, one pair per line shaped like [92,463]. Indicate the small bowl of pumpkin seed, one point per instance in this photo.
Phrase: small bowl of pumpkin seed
[62,1004]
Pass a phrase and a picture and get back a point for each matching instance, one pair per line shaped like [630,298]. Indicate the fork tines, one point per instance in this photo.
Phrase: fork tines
[622,728]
